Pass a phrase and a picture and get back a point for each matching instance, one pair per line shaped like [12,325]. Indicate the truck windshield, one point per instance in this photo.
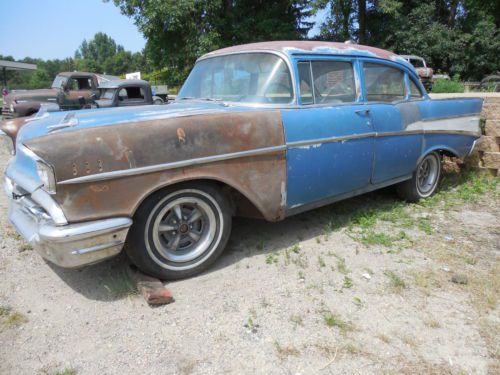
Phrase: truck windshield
[58,81]
[247,78]
[417,63]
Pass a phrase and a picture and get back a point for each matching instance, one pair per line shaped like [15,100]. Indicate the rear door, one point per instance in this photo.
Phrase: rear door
[392,109]
[329,135]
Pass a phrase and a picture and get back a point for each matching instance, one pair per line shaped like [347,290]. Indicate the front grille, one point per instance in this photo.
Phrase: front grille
[6,113]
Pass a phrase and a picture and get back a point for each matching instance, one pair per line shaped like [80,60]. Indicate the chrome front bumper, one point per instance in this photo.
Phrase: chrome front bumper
[70,245]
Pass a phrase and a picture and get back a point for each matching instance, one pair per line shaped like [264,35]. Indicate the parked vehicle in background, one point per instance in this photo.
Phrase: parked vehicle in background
[112,93]
[69,89]
[126,92]
[424,72]
[262,130]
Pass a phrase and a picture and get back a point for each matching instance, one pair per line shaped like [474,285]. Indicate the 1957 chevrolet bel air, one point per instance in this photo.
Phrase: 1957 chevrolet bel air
[260,130]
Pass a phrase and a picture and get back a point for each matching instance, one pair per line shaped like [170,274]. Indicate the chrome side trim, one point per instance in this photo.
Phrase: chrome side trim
[173,165]
[404,132]
[319,141]
[450,117]
[97,248]
[234,155]
[472,147]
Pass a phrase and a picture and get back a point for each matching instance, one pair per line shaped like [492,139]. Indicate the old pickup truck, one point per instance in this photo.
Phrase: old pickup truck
[70,90]
[263,130]
[125,93]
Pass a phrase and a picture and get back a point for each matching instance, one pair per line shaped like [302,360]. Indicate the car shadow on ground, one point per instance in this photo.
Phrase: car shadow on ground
[109,281]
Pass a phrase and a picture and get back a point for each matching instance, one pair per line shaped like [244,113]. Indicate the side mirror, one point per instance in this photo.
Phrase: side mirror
[64,86]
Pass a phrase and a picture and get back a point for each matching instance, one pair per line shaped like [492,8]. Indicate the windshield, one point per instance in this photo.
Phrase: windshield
[417,63]
[58,81]
[107,93]
[247,78]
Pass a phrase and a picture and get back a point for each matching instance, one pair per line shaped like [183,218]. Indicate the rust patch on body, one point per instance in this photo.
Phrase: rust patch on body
[258,178]
[181,135]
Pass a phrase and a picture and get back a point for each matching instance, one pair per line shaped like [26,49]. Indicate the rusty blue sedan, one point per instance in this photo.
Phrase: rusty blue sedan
[262,130]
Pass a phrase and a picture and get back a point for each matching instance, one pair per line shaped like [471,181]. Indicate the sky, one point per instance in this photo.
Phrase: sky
[50,29]
[54,29]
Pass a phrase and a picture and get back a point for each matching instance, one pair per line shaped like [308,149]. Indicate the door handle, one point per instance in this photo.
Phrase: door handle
[364,112]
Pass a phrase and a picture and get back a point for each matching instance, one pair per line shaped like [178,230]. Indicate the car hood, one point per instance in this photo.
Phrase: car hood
[57,122]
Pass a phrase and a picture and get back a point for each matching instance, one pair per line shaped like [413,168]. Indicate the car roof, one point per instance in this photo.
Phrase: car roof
[413,57]
[297,47]
[123,83]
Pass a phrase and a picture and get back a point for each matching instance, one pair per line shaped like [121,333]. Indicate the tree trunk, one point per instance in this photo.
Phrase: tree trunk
[362,21]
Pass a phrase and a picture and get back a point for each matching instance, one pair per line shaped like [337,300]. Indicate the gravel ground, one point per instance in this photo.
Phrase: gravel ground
[363,286]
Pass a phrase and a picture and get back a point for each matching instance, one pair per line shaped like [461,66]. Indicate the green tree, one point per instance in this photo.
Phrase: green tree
[180,31]
[455,36]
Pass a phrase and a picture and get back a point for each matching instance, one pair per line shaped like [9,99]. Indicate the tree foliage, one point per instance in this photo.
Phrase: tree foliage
[179,31]
[100,54]
[454,36]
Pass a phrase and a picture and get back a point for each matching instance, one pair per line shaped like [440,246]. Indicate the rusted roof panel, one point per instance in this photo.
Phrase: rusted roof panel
[309,46]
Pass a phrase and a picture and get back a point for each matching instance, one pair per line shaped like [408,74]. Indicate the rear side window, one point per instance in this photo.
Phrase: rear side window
[383,83]
[415,92]
[327,82]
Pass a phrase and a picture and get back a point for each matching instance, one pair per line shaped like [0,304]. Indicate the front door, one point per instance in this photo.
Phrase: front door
[329,136]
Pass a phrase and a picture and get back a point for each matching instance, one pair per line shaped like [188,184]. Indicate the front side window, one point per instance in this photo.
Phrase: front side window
[247,78]
[383,83]
[331,82]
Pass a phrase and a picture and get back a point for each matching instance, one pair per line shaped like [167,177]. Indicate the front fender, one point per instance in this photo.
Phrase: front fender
[108,171]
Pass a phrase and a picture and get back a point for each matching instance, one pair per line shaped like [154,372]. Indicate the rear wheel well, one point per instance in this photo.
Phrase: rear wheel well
[240,204]
[447,153]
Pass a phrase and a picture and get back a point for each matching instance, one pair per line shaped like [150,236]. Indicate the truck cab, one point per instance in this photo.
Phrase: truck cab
[69,90]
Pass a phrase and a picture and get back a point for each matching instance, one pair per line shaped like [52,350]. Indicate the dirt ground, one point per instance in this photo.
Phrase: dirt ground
[371,285]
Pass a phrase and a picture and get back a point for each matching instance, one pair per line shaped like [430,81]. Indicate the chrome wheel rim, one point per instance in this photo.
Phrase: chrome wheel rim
[427,175]
[184,229]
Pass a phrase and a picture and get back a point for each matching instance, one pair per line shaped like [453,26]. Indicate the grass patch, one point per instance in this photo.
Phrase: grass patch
[270,259]
[395,281]
[25,247]
[425,226]
[284,351]
[120,285]
[431,322]
[334,320]
[347,282]
[341,266]
[10,318]
[447,86]
[466,186]
[384,338]
[296,319]
[67,371]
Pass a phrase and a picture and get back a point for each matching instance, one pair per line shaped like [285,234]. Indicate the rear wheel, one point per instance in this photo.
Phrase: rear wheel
[179,233]
[424,181]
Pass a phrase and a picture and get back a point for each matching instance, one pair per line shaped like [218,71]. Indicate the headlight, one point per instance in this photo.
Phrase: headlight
[11,107]
[46,174]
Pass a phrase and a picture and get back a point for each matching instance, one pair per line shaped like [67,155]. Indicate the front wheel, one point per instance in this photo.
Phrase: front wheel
[424,181]
[180,232]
